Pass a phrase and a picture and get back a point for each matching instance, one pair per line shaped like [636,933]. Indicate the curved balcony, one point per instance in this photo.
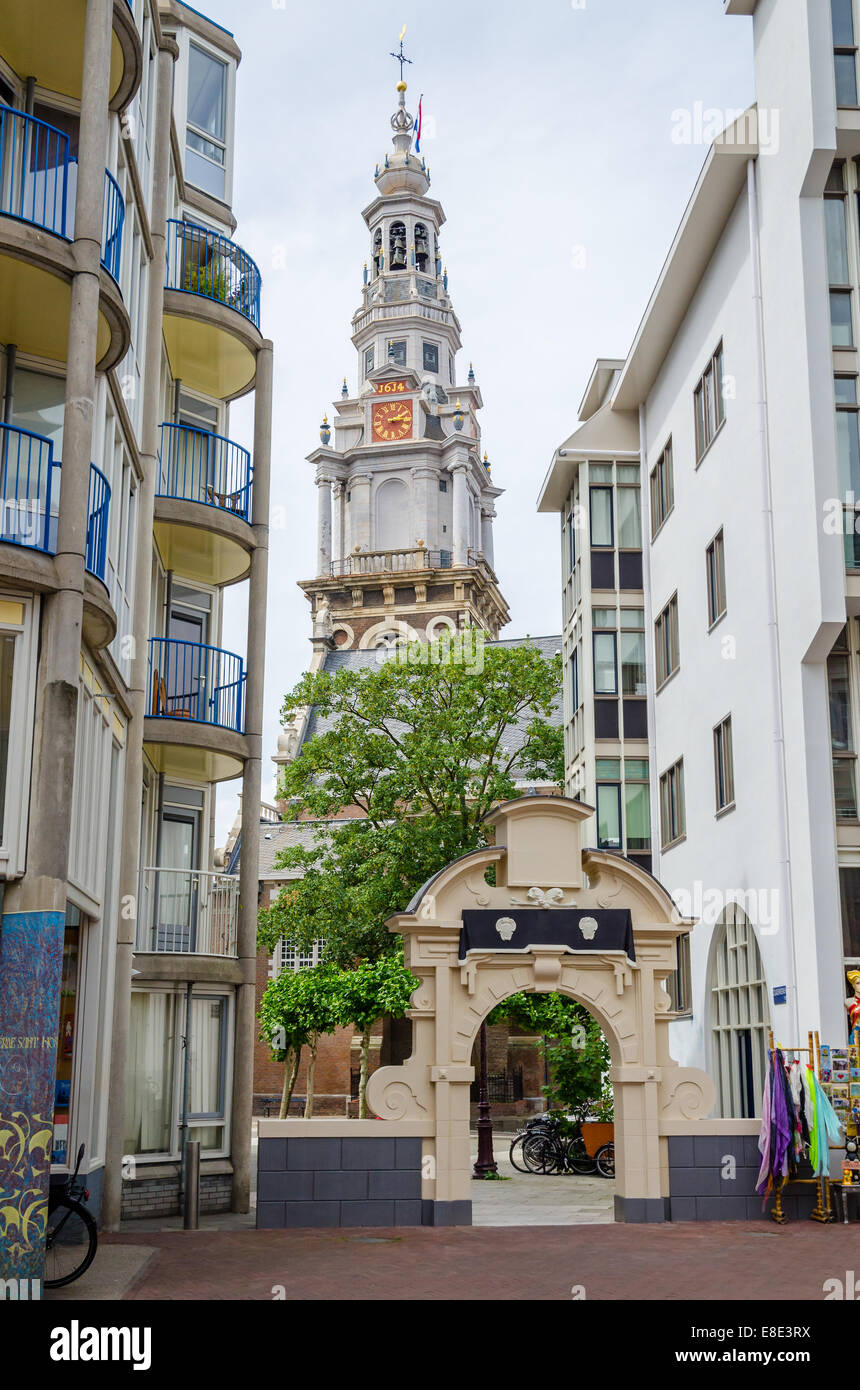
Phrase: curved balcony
[46,37]
[38,184]
[194,724]
[203,505]
[30,498]
[211,311]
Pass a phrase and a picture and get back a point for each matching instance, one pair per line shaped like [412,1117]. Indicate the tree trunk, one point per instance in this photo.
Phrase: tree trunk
[290,1074]
[362,1081]
[309,1097]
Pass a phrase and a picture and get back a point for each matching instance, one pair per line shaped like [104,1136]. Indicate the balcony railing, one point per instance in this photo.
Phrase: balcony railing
[38,182]
[189,680]
[203,262]
[395,561]
[188,912]
[197,466]
[30,498]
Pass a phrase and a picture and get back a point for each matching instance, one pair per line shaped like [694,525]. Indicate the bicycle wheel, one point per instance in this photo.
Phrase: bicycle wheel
[515,1156]
[577,1160]
[605,1160]
[70,1244]
[540,1154]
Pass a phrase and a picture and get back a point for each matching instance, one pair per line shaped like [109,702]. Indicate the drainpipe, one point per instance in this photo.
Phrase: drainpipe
[650,665]
[782,810]
[9,392]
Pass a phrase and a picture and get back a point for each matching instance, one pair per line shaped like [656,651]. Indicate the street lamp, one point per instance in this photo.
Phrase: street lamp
[485,1162]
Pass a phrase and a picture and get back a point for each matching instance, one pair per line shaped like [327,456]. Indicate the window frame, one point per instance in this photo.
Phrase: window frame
[724,766]
[673,811]
[605,632]
[715,578]
[227,143]
[667,642]
[708,393]
[662,489]
[601,487]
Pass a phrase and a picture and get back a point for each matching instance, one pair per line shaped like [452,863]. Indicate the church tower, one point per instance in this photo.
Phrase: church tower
[406,499]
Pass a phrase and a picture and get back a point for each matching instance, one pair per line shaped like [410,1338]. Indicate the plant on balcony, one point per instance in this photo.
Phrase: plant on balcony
[208,279]
[423,747]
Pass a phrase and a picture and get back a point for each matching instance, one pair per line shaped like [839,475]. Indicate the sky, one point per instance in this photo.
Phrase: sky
[551,133]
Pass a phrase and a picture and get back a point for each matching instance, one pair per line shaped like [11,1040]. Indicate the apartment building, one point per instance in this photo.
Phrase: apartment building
[129,320]
[742,381]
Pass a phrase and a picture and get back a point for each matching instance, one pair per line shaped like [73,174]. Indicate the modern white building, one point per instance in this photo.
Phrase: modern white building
[743,384]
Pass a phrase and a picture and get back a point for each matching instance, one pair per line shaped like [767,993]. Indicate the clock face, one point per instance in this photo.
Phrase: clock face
[392,420]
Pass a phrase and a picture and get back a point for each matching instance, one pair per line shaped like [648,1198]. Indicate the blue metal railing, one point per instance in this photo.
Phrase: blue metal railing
[34,171]
[38,178]
[197,466]
[30,498]
[189,680]
[98,512]
[203,262]
[113,219]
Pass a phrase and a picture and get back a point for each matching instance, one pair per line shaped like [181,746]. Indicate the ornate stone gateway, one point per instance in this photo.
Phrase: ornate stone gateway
[588,924]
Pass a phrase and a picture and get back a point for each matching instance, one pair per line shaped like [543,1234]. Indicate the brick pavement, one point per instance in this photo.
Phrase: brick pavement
[730,1260]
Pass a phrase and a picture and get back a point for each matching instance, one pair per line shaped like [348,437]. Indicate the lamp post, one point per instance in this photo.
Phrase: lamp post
[485,1163]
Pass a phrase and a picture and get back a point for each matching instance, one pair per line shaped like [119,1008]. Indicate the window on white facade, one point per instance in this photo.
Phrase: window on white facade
[724,768]
[739,1015]
[666,641]
[844,52]
[206,128]
[289,956]
[715,566]
[662,489]
[18,640]
[673,818]
[842,741]
[708,403]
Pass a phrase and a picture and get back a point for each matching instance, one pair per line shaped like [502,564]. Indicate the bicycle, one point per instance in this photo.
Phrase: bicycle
[547,1148]
[71,1238]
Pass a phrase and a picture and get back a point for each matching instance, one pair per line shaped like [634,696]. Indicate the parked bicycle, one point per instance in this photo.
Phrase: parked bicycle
[72,1236]
[553,1143]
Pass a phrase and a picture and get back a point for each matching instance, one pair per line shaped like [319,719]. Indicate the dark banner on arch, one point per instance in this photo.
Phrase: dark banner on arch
[579,929]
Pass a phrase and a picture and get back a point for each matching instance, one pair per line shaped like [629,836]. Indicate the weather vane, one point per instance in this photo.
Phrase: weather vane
[401,56]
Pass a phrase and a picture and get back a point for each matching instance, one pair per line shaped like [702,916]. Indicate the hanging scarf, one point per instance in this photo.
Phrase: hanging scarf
[795,1082]
[827,1126]
[765,1178]
[783,1118]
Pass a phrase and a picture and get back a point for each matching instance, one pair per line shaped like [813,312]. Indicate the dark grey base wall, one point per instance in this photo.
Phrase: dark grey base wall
[346,1182]
[700,1191]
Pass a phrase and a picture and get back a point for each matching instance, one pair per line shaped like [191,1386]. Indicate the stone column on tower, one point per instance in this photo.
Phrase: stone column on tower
[424,519]
[487,516]
[461,512]
[323,482]
[359,510]
[337,545]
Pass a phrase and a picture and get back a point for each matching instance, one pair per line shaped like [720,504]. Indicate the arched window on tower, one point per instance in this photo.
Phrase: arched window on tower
[397,246]
[739,1015]
[377,251]
[422,247]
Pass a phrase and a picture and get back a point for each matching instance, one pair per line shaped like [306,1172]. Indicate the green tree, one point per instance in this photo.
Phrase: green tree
[371,990]
[572,1043]
[296,1009]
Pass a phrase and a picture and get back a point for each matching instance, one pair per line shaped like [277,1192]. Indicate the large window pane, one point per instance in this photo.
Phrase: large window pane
[837,241]
[843,23]
[601,516]
[841,332]
[605,677]
[149,1097]
[7,671]
[849,885]
[609,817]
[846,79]
[629,518]
[206,1088]
[840,706]
[638,809]
[848,445]
[844,790]
[207,88]
[633,663]
[39,405]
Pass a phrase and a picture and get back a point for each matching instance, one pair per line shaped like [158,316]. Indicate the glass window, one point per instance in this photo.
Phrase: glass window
[637,810]
[633,619]
[709,403]
[841,729]
[845,66]
[605,675]
[607,769]
[601,516]
[206,1089]
[608,816]
[636,769]
[431,357]
[151,1070]
[368,362]
[666,641]
[716,575]
[66,1031]
[724,775]
[849,891]
[7,671]
[672,811]
[847,437]
[843,23]
[739,1015]
[837,241]
[841,330]
[633,664]
[629,518]
[845,390]
[39,406]
[603,617]
[600,472]
[574,680]
[205,147]
[662,489]
[397,351]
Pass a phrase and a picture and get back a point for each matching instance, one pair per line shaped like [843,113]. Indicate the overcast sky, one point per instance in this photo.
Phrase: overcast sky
[549,136]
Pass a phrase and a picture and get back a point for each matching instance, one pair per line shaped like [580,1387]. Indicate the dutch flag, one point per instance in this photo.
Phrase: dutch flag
[416,129]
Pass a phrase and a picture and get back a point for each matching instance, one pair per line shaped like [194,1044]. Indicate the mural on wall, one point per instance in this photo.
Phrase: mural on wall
[31,959]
